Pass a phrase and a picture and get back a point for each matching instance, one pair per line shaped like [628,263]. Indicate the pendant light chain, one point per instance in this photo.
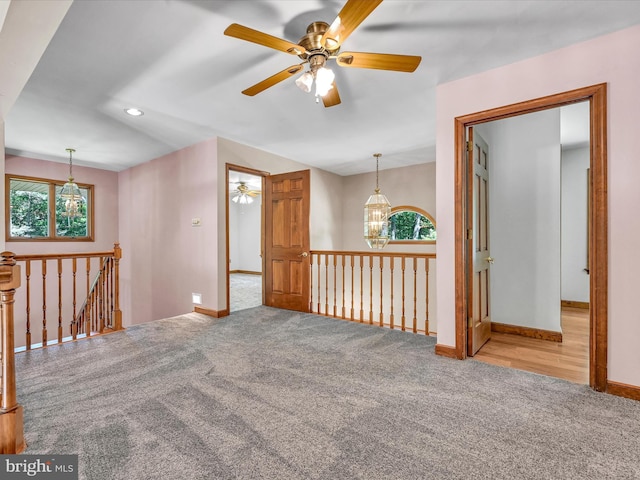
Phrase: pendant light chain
[70,150]
[377,155]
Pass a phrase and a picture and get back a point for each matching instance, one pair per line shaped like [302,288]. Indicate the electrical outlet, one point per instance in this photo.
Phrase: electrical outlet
[196,298]
[196,222]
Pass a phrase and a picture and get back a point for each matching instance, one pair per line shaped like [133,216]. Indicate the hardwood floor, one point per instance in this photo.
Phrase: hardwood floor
[568,359]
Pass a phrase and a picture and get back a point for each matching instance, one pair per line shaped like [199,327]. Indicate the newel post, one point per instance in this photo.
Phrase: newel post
[117,313]
[11,414]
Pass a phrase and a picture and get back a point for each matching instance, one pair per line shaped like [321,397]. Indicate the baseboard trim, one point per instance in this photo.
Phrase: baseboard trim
[211,313]
[246,272]
[526,332]
[446,351]
[573,304]
[623,390]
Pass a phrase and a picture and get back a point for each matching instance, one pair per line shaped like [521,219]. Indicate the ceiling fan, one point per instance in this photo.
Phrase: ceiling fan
[243,195]
[322,43]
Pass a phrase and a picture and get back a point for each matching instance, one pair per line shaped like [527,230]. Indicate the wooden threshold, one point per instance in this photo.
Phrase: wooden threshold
[246,272]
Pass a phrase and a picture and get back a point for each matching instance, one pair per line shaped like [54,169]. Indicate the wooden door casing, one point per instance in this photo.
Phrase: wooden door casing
[287,202]
[596,95]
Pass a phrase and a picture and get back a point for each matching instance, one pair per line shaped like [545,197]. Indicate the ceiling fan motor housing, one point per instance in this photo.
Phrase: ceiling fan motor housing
[312,43]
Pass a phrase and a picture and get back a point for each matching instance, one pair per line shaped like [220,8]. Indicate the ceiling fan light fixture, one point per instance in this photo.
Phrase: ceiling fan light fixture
[324,81]
[242,199]
[305,81]
[243,195]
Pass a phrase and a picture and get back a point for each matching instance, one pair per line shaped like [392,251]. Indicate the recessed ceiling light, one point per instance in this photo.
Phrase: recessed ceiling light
[134,112]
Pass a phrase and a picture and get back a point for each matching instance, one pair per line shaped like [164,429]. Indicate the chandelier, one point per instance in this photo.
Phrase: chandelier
[70,193]
[376,216]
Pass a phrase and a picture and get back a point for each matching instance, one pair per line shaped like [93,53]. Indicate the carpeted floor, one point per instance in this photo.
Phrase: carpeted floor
[245,291]
[266,393]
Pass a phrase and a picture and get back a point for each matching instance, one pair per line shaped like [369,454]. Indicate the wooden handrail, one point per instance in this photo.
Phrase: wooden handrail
[11,413]
[64,256]
[367,253]
[347,280]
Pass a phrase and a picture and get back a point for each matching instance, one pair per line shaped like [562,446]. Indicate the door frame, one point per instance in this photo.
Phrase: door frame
[258,173]
[596,95]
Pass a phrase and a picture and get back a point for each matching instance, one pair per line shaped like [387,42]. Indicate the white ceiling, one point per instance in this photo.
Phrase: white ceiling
[171,59]
[252,181]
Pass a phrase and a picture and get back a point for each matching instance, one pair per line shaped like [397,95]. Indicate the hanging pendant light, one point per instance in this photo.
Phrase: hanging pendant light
[70,193]
[376,216]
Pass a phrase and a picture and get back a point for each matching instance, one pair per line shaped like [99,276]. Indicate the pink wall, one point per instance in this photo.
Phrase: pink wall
[166,259]
[106,204]
[613,59]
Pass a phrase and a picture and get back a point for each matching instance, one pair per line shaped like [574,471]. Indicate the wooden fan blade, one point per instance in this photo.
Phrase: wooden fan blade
[380,61]
[351,15]
[253,193]
[332,97]
[272,80]
[255,36]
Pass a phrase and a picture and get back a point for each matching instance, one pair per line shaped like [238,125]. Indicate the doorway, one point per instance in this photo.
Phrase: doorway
[245,214]
[597,219]
[535,243]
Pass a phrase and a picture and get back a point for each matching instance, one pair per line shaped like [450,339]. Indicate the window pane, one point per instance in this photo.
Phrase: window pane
[29,209]
[410,225]
[72,226]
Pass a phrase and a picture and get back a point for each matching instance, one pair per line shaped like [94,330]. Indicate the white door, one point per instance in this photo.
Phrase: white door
[479,307]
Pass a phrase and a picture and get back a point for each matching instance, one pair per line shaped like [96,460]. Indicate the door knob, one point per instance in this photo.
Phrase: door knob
[304,255]
[490,260]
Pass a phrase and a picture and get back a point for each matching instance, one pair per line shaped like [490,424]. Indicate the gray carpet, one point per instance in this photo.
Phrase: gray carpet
[266,393]
[245,291]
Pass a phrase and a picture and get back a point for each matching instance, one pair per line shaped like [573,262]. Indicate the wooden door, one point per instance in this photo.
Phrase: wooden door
[286,264]
[479,310]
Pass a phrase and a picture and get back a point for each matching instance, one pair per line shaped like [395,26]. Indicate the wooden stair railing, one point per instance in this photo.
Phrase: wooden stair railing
[11,413]
[97,296]
[385,289]
[99,312]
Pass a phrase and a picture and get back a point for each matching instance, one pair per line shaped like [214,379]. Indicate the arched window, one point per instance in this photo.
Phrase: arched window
[410,225]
